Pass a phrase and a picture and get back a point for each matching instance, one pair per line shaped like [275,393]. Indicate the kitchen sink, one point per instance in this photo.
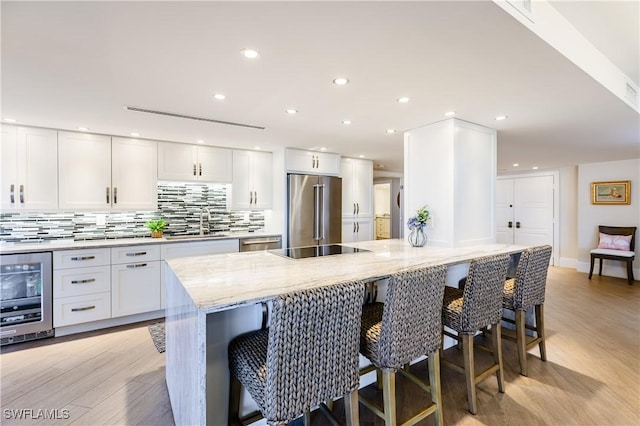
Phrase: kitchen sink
[194,237]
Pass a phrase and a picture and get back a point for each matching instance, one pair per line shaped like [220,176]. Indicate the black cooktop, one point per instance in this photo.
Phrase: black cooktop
[316,251]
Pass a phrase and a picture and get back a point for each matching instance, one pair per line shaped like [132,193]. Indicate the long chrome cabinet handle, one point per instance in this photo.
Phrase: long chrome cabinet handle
[12,195]
[115,195]
[139,253]
[357,208]
[250,197]
[199,169]
[21,194]
[255,197]
[194,168]
[90,280]
[137,265]
[358,227]
[108,201]
[86,308]
[83,258]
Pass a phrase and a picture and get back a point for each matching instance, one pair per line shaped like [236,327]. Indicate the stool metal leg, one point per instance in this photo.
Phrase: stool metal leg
[540,330]
[521,340]
[434,381]
[389,396]
[469,370]
[497,354]
[351,408]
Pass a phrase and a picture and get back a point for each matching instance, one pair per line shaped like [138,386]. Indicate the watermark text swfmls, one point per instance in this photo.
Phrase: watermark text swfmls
[35,414]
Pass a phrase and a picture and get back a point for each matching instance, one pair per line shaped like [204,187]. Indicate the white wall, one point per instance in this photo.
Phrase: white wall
[568,188]
[382,199]
[590,216]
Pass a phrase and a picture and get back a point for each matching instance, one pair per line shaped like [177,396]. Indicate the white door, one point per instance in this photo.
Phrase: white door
[533,198]
[177,162]
[348,203]
[363,187]
[37,168]
[262,176]
[348,230]
[364,229]
[9,173]
[504,211]
[242,188]
[134,174]
[215,164]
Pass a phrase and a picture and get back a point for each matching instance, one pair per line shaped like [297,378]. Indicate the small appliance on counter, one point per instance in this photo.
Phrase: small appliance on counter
[26,299]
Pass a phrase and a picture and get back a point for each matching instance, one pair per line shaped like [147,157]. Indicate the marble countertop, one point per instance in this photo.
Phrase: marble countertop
[224,281]
[16,248]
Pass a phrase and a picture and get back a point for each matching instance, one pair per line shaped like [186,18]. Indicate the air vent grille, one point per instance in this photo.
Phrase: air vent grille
[190,117]
[632,94]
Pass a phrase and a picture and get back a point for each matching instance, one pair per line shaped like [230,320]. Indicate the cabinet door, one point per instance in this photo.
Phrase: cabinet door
[327,163]
[177,162]
[84,170]
[215,164]
[348,202]
[242,187]
[9,172]
[364,229]
[301,161]
[363,187]
[348,230]
[37,168]
[262,177]
[134,174]
[135,288]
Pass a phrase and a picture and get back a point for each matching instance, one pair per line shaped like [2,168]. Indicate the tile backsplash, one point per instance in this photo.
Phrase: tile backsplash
[179,204]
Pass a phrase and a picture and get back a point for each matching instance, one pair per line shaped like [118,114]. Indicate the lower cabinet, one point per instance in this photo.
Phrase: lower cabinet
[79,309]
[358,229]
[135,288]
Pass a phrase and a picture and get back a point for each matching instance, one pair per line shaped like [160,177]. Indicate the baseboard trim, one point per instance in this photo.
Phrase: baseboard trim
[111,322]
[609,269]
[565,262]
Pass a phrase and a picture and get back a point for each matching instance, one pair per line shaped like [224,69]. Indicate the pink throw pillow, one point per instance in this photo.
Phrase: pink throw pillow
[614,242]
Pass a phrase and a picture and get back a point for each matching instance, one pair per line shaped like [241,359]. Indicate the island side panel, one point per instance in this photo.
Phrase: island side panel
[185,354]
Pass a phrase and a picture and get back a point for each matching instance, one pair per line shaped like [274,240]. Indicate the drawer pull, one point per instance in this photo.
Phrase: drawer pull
[140,253]
[137,265]
[86,308]
[90,280]
[83,258]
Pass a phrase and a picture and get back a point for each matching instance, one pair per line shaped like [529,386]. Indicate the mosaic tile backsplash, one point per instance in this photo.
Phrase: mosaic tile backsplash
[179,204]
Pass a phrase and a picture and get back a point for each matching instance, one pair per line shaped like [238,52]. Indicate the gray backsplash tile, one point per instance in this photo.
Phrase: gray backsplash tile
[179,204]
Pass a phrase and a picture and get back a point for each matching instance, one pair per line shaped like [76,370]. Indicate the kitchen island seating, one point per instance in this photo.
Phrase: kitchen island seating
[407,326]
[607,249]
[521,293]
[473,308]
[309,354]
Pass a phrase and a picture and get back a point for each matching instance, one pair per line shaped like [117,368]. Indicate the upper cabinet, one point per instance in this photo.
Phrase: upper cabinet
[312,162]
[28,157]
[193,163]
[252,187]
[86,168]
[357,187]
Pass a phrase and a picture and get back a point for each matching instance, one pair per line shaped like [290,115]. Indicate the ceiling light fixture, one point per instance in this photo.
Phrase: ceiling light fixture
[361,156]
[135,134]
[403,100]
[501,117]
[340,81]
[449,113]
[200,141]
[535,167]
[391,131]
[219,96]
[346,122]
[250,53]
[516,164]
[291,111]
[257,148]
[323,148]
[10,120]
[83,129]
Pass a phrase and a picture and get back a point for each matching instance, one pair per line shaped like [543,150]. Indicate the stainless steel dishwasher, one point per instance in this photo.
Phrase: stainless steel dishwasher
[260,243]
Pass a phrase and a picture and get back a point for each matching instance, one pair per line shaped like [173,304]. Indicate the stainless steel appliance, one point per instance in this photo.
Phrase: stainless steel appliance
[314,210]
[260,243]
[25,297]
[317,251]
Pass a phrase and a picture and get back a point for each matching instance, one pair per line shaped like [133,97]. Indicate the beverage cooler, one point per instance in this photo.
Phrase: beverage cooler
[25,297]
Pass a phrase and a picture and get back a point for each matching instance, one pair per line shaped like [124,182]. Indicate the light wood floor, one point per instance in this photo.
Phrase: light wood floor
[592,376]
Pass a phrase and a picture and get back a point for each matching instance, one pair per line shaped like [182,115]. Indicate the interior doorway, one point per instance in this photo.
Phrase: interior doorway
[386,193]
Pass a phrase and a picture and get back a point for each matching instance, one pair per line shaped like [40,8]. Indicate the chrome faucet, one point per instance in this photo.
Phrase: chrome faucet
[202,212]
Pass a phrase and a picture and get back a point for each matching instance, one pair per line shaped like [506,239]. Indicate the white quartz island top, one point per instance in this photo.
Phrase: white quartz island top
[220,282]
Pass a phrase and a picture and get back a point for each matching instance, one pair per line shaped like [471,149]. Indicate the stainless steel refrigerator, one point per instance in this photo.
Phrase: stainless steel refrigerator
[314,210]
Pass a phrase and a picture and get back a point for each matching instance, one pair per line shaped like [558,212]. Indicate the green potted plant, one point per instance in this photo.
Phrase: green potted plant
[156,226]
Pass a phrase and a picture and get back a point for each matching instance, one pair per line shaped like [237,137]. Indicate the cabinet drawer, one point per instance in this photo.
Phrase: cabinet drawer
[79,281]
[79,309]
[199,248]
[135,288]
[135,254]
[81,258]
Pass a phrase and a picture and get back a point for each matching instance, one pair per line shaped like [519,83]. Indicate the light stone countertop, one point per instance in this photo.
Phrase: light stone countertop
[220,282]
[16,248]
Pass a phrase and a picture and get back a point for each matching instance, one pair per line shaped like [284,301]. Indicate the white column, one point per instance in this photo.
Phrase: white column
[451,166]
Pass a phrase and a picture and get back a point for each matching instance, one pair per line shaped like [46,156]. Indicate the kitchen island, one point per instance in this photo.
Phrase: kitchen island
[212,299]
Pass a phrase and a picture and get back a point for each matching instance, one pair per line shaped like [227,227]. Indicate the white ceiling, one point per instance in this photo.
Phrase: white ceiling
[69,64]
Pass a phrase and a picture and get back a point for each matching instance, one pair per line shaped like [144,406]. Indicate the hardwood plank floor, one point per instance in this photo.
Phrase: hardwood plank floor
[592,376]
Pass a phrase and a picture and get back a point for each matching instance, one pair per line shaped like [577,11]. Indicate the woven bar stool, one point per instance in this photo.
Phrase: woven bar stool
[308,355]
[407,326]
[478,306]
[524,291]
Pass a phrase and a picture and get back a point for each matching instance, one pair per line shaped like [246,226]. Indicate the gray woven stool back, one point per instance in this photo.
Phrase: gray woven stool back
[412,317]
[531,277]
[311,354]
[482,297]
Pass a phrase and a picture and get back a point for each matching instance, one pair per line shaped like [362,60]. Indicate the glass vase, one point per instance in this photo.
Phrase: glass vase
[417,237]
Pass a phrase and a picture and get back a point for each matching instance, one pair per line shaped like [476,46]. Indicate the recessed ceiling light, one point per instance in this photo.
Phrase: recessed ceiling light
[323,148]
[516,164]
[257,148]
[340,81]
[449,113]
[292,111]
[250,53]
[219,96]
[391,131]
[346,122]
[403,100]
[10,120]
[200,141]
[83,129]
[361,156]
[381,166]
[501,117]
[535,167]
[135,134]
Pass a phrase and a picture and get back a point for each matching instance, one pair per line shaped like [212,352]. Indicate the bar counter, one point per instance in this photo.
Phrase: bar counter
[212,299]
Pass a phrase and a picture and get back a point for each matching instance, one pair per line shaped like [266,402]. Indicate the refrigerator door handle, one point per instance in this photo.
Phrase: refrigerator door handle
[316,212]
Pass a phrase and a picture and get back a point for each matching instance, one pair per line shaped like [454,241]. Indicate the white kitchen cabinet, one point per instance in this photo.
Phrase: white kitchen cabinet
[312,162]
[193,163]
[252,186]
[29,169]
[358,229]
[357,187]
[134,174]
[135,280]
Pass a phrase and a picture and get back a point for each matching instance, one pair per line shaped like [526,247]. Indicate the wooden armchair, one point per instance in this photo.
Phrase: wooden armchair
[622,255]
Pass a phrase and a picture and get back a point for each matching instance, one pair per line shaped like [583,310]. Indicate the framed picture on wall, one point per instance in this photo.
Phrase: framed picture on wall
[615,192]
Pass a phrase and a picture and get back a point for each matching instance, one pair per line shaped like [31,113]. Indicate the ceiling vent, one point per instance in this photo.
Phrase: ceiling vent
[632,94]
[190,117]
